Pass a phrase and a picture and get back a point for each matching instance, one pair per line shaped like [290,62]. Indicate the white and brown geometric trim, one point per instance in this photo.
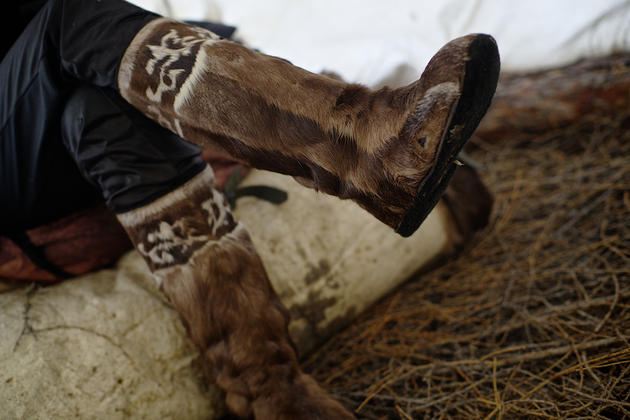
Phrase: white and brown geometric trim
[174,228]
[172,46]
[169,60]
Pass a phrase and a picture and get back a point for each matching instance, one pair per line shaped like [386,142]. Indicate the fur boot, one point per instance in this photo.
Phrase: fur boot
[392,150]
[207,266]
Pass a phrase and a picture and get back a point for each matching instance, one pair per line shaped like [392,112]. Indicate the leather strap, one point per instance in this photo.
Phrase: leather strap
[263,192]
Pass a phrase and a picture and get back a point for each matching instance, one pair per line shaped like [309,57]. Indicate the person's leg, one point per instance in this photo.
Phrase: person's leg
[391,151]
[39,182]
[65,43]
[166,199]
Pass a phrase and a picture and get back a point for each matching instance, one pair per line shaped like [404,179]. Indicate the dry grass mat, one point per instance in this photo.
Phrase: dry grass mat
[532,320]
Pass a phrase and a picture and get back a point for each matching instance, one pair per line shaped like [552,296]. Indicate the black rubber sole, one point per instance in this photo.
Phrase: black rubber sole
[480,81]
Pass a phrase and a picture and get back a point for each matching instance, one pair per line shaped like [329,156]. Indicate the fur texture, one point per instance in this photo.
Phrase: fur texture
[208,268]
[374,147]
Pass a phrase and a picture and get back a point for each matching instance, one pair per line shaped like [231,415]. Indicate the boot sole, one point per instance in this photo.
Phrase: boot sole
[480,81]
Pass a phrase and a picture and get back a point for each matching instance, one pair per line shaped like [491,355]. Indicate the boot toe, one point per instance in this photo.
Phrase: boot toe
[472,64]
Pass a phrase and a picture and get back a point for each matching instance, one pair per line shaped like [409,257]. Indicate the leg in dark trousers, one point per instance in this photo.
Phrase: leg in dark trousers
[166,199]
[66,45]
[392,151]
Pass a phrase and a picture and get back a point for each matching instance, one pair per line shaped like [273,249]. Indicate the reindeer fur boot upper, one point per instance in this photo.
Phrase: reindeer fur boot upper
[392,150]
[207,265]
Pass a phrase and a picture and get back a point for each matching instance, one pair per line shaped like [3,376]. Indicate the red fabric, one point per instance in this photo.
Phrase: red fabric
[79,243]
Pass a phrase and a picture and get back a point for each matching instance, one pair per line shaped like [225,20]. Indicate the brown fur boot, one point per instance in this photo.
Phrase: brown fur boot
[207,266]
[391,151]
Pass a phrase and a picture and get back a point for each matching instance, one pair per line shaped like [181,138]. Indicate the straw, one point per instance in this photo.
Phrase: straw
[532,319]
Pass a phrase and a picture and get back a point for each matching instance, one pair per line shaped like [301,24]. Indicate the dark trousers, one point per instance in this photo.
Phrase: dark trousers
[67,138]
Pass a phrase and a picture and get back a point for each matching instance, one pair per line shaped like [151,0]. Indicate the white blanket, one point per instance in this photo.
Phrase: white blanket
[368,41]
